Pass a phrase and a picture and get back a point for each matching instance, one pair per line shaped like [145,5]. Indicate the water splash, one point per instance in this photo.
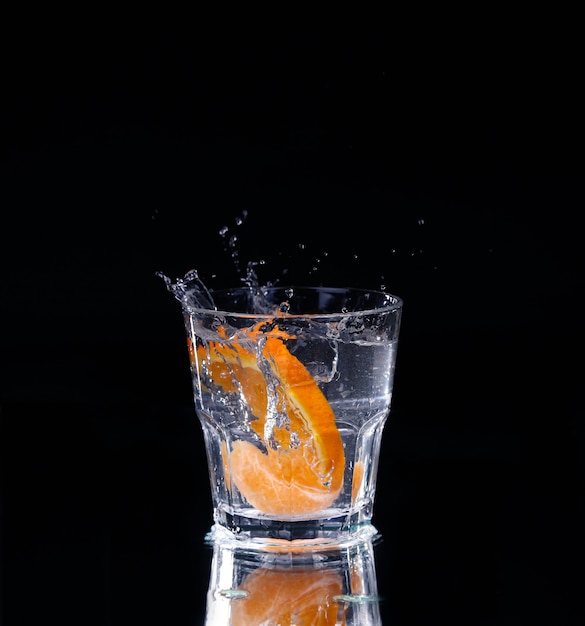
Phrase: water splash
[190,290]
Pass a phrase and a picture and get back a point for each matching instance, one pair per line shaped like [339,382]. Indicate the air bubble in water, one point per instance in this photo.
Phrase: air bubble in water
[284,307]
[233,593]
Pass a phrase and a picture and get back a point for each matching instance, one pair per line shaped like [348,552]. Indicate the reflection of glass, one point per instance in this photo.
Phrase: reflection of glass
[308,587]
[292,387]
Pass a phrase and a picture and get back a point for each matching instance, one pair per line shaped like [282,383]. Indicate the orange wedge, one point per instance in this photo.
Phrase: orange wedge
[302,470]
[358,479]
[303,596]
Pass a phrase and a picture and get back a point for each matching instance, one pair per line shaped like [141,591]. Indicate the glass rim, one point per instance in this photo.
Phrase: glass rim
[392,303]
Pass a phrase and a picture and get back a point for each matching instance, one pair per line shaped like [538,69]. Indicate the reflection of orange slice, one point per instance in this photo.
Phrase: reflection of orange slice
[303,596]
[302,470]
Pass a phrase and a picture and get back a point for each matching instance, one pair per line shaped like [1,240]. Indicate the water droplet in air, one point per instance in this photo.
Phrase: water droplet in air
[223,232]
[284,307]
[289,293]
[421,221]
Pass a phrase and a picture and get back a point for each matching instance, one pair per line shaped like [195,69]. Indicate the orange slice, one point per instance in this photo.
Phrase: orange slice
[302,470]
[297,596]
[358,479]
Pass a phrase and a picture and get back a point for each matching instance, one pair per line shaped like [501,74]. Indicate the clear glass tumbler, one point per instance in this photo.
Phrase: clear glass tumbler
[292,386]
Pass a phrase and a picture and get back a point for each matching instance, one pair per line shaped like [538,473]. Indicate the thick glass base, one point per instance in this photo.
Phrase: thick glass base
[299,535]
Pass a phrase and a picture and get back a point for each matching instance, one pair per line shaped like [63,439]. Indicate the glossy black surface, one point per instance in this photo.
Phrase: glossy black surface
[126,153]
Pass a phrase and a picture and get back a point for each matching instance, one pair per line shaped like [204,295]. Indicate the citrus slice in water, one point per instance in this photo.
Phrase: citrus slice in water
[300,469]
[294,596]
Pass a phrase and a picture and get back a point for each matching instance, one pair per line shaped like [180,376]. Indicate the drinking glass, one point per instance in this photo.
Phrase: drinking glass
[292,387]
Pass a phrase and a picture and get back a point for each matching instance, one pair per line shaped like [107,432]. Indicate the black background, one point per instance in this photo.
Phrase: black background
[441,160]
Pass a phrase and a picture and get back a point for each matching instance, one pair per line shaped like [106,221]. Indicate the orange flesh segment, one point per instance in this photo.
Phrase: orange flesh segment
[291,479]
[358,477]
[303,596]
